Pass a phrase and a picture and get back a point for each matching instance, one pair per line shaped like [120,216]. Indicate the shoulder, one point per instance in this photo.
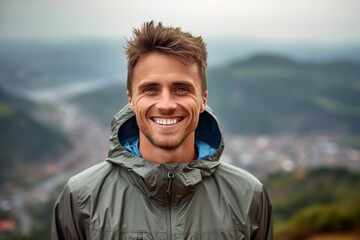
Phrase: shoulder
[91,179]
[239,189]
[92,173]
[237,178]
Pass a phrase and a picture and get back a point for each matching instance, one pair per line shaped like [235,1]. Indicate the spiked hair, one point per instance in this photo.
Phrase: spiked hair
[167,40]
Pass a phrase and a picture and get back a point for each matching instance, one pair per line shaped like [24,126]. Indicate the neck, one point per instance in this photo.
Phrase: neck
[182,154]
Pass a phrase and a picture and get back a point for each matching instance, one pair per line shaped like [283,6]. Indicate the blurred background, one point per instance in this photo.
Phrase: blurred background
[284,79]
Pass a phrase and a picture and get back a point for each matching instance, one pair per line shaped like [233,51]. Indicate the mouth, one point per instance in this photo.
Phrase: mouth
[166,121]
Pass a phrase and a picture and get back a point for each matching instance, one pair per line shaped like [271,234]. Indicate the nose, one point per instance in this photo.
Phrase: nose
[166,102]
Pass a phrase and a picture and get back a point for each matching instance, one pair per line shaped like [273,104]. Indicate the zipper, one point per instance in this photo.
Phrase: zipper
[170,176]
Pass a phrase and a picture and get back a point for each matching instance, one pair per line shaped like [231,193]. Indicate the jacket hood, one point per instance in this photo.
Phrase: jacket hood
[124,127]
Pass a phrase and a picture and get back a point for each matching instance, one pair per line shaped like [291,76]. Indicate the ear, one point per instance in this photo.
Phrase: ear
[130,102]
[204,101]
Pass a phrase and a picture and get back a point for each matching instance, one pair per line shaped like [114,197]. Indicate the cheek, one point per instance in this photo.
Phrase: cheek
[193,105]
[136,103]
[141,106]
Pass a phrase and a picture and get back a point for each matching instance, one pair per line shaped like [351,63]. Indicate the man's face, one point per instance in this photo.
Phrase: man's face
[167,100]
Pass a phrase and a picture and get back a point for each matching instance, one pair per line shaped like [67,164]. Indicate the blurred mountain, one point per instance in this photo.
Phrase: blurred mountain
[34,65]
[103,103]
[225,51]
[23,140]
[272,94]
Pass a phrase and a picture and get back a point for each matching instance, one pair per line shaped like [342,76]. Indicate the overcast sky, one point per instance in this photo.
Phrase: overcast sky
[333,21]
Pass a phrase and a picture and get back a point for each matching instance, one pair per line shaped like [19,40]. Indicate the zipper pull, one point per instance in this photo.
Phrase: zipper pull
[171,176]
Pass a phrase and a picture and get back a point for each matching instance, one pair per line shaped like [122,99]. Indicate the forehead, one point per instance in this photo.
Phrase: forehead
[160,67]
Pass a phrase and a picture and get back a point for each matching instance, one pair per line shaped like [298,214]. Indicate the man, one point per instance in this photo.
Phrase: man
[162,178]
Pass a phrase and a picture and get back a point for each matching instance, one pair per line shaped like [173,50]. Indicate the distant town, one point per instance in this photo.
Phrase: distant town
[263,155]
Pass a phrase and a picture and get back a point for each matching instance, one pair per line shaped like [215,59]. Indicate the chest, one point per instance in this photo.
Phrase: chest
[125,212]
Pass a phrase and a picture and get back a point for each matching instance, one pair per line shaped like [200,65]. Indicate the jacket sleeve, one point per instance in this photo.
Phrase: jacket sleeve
[66,220]
[261,216]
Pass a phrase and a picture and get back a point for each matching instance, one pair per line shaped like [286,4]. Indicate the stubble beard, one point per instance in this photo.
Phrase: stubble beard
[166,144]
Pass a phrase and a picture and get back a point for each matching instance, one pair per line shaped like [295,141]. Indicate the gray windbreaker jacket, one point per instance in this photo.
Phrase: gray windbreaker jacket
[127,197]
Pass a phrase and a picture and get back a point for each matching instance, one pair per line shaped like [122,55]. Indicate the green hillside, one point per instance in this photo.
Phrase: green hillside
[24,140]
[318,201]
[270,94]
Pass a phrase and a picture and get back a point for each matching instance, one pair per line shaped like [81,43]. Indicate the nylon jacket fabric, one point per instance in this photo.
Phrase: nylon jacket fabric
[127,197]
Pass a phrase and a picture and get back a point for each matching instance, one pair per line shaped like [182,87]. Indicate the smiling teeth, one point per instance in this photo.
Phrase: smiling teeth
[166,121]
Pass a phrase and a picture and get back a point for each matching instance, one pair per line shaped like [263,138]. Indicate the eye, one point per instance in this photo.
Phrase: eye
[150,90]
[181,90]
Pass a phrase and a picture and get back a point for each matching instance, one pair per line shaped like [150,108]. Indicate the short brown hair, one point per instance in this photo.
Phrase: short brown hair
[167,40]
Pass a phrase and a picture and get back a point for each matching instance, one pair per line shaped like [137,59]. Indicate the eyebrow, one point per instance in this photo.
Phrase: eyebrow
[186,83]
[154,84]
[147,84]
